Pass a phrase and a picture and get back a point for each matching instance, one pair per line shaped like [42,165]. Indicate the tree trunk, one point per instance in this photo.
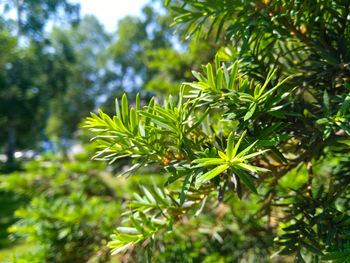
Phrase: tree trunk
[19,4]
[10,147]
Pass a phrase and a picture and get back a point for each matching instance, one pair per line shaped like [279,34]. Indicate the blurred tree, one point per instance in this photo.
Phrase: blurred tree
[23,78]
[173,66]
[33,15]
[147,55]
[136,36]
[22,86]
[8,53]
[80,70]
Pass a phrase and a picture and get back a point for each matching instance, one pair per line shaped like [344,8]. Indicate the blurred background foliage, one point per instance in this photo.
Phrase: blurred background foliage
[56,205]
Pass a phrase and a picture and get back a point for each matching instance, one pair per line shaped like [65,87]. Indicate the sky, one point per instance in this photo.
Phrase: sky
[110,11]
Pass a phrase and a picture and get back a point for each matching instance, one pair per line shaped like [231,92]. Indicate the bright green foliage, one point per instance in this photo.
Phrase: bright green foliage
[233,160]
[251,99]
[177,137]
[275,100]
[144,227]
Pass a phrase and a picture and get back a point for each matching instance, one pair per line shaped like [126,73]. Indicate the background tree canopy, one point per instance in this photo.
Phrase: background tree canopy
[241,156]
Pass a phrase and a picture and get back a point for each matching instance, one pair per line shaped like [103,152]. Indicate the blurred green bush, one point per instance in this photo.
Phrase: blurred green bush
[71,211]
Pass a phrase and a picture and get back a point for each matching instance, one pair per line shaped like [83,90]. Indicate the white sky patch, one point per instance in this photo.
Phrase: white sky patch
[110,11]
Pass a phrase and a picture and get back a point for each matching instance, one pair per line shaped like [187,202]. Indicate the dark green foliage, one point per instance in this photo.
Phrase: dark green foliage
[317,218]
[9,202]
